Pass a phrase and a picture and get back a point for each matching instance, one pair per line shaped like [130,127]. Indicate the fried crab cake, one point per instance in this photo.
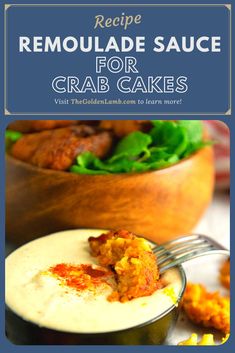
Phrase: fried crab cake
[57,149]
[225,274]
[132,260]
[209,309]
[26,126]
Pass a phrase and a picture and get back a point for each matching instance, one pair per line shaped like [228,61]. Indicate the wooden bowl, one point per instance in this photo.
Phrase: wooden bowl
[159,205]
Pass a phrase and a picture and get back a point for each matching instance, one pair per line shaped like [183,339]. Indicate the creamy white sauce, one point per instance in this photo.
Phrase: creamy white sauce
[41,299]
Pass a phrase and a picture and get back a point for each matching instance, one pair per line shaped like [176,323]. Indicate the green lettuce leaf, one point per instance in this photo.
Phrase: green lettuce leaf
[164,145]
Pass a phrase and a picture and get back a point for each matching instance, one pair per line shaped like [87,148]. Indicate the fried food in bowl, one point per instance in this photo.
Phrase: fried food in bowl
[27,126]
[57,149]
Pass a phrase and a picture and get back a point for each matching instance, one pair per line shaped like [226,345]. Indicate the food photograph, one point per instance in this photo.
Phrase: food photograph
[117,232]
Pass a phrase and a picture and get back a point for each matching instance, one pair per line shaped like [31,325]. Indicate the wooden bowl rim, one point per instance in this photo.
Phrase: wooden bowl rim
[66,174]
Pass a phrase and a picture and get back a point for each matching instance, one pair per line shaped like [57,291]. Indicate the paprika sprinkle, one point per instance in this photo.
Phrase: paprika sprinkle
[81,277]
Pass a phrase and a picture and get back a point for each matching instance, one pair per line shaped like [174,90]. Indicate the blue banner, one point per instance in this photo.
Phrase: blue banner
[117,59]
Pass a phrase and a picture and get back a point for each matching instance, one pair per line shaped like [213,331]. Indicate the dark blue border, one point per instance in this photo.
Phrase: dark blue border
[5,345]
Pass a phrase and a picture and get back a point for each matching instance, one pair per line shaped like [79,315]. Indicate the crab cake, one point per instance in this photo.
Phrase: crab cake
[131,259]
[27,126]
[57,149]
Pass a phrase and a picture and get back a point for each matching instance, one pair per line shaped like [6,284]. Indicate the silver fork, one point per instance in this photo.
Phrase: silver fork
[180,250]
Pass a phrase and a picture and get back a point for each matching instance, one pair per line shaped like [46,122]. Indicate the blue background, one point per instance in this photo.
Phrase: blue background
[29,75]
[5,345]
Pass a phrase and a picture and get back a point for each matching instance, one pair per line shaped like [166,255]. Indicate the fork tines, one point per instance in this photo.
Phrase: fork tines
[180,250]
